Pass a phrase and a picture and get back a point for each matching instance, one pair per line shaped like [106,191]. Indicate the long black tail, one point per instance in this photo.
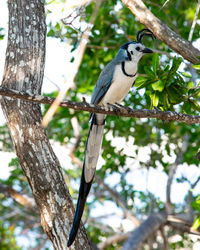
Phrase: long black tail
[92,150]
[83,193]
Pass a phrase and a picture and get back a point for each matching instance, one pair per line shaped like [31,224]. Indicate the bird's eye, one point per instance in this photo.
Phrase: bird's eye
[137,48]
[131,52]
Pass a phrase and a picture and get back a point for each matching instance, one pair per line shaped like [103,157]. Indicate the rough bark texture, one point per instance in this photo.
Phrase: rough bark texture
[162,31]
[144,231]
[24,68]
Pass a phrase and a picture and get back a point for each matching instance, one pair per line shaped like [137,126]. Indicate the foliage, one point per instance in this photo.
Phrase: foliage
[5,139]
[7,238]
[196,206]
[14,213]
[164,82]
[2,33]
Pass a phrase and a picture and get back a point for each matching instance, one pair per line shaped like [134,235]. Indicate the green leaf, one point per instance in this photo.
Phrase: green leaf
[196,66]
[158,85]
[174,95]
[154,99]
[196,223]
[149,72]
[195,105]
[140,81]
[166,69]
[190,84]
[175,65]
[51,33]
[155,63]
[186,74]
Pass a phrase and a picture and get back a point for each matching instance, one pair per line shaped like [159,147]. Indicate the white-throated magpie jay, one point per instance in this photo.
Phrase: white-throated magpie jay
[112,86]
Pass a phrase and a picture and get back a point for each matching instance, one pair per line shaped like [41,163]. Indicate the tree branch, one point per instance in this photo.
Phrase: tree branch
[113,239]
[165,116]
[162,31]
[180,223]
[172,172]
[194,22]
[165,241]
[146,229]
[22,199]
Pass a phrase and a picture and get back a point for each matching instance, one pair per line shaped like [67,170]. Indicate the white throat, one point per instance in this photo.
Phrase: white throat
[131,67]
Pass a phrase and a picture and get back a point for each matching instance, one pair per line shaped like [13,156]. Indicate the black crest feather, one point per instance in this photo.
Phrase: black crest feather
[142,33]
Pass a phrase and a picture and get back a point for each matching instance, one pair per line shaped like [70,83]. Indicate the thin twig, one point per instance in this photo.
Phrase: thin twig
[164,4]
[194,22]
[58,88]
[189,208]
[172,172]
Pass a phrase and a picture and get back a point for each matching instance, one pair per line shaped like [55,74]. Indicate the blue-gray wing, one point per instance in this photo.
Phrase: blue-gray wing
[103,83]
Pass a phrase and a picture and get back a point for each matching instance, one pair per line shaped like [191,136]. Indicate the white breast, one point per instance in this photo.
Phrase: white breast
[121,84]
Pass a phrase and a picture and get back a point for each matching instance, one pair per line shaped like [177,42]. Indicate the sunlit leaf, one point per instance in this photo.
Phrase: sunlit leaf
[154,99]
[190,84]
[140,81]
[159,85]
[196,223]
[196,66]
[186,74]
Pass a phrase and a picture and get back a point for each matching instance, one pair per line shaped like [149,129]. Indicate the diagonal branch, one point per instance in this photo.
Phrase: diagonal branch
[162,31]
[194,22]
[180,222]
[144,231]
[22,199]
[165,116]
[172,172]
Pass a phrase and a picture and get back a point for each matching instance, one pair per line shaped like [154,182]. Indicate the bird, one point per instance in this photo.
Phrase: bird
[112,86]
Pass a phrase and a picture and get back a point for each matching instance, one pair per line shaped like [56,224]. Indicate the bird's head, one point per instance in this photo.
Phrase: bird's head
[133,51]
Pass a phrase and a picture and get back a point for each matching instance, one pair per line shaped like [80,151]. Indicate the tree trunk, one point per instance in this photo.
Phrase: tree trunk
[24,69]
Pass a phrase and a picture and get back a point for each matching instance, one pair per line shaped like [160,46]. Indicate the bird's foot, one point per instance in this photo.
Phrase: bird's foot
[157,109]
[123,107]
[114,107]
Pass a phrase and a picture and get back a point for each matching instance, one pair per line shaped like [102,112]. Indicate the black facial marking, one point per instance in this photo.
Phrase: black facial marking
[123,70]
[125,46]
[131,52]
[129,55]
[137,48]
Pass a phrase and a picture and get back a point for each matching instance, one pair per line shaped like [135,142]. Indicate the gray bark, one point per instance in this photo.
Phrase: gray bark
[144,231]
[24,69]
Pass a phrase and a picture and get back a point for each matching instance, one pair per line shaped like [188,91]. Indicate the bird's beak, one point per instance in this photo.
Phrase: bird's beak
[146,50]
